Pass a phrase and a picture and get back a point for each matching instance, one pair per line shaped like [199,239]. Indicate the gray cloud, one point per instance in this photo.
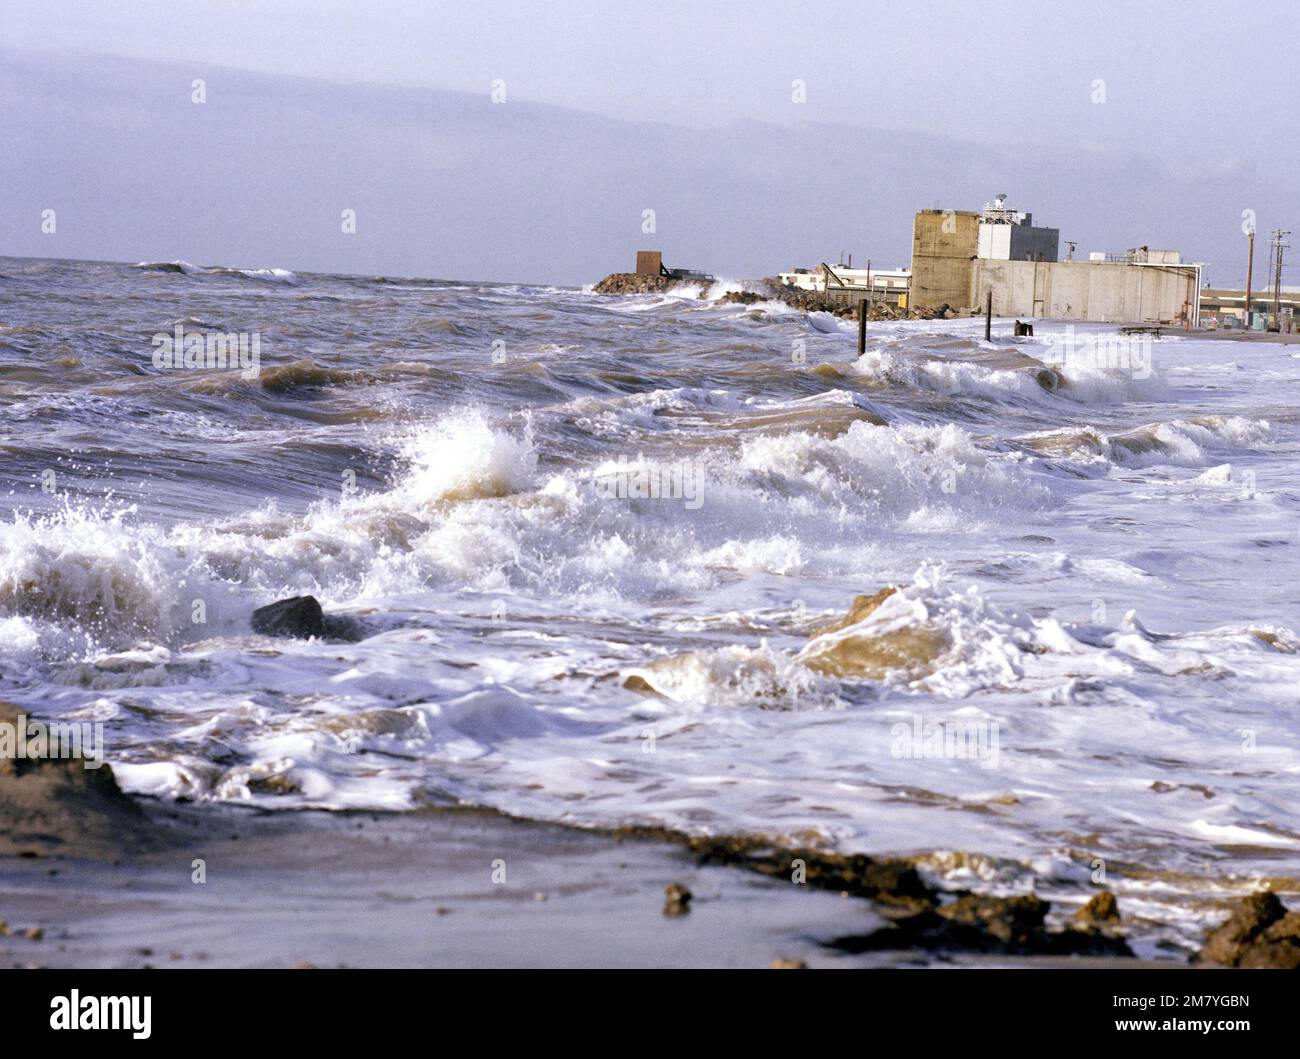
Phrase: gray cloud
[451,185]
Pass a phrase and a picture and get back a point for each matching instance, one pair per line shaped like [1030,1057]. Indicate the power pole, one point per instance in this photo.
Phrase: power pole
[1278,247]
[1250,268]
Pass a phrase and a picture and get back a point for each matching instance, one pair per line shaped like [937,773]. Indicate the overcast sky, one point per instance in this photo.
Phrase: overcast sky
[1141,101]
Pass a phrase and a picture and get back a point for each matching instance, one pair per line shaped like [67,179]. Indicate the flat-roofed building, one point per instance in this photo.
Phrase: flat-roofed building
[851,285]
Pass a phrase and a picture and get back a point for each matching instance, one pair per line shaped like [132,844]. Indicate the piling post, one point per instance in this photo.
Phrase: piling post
[988,316]
[862,327]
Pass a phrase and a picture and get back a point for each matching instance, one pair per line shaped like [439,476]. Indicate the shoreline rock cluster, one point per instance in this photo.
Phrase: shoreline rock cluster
[773,290]
[632,283]
[921,917]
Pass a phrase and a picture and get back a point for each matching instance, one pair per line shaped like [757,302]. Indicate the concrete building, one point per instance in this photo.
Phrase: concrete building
[944,244]
[1010,235]
[959,258]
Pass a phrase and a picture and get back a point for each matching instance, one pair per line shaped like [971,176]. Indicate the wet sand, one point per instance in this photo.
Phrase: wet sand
[416,890]
[404,890]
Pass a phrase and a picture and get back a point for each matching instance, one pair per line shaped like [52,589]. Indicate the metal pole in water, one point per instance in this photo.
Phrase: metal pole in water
[988,316]
[862,327]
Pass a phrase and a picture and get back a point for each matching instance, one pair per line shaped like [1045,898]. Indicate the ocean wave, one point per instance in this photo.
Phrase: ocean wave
[269,275]
[104,575]
[183,267]
[1192,442]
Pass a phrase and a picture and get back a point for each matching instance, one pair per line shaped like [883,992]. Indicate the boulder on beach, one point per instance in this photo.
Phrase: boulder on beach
[58,806]
[1101,912]
[298,616]
[301,617]
[1259,933]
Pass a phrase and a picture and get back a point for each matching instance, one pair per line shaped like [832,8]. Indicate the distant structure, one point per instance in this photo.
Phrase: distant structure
[1008,235]
[651,263]
[959,257]
[849,285]
[1226,307]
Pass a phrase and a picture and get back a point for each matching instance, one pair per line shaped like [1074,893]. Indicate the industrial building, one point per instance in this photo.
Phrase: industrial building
[1009,235]
[1226,307]
[960,257]
[848,285]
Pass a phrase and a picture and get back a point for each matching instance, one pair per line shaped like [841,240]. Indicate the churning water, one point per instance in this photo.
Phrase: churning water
[589,542]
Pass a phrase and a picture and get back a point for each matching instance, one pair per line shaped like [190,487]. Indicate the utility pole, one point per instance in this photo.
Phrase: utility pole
[1278,247]
[1250,268]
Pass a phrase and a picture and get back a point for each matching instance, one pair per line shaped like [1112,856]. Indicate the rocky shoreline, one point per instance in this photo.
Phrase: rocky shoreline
[81,826]
[770,289]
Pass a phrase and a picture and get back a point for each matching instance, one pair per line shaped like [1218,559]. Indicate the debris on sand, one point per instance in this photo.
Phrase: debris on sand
[677,900]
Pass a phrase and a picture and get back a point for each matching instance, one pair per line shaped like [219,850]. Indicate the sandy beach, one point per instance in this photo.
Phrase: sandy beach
[409,890]
[328,890]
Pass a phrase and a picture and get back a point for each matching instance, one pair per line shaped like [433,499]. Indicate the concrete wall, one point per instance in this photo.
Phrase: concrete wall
[944,245]
[1085,290]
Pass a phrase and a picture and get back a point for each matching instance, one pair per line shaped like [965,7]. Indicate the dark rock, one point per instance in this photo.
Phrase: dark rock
[888,880]
[299,616]
[916,914]
[1011,920]
[1259,933]
[342,627]
[677,900]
